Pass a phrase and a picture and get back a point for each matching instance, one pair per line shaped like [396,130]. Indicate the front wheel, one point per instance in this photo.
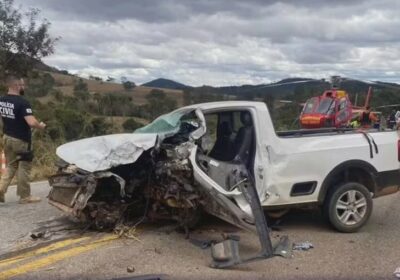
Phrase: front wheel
[348,207]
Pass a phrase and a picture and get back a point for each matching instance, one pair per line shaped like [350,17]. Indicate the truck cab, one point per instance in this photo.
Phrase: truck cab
[339,171]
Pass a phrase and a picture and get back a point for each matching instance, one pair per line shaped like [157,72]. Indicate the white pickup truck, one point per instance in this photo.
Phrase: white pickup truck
[204,157]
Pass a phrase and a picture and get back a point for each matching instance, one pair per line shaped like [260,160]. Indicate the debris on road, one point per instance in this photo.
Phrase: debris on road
[40,234]
[54,228]
[202,244]
[130,269]
[145,277]
[225,253]
[303,246]
[126,231]
[283,248]
[396,273]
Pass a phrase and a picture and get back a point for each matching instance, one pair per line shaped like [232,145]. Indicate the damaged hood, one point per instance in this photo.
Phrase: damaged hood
[104,152]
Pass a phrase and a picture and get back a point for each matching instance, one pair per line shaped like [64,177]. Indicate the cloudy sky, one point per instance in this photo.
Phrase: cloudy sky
[225,42]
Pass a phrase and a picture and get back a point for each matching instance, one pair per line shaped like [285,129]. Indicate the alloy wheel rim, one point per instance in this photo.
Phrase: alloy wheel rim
[351,207]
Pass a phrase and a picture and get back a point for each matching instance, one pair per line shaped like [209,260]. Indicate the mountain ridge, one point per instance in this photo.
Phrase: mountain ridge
[165,83]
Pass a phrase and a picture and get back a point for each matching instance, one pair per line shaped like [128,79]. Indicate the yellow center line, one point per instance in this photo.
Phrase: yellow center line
[56,257]
[43,250]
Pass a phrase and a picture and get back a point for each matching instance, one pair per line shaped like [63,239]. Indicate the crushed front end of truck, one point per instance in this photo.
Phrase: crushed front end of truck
[153,174]
[159,185]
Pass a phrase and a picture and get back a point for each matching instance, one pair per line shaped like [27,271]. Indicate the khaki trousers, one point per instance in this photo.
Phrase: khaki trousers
[12,146]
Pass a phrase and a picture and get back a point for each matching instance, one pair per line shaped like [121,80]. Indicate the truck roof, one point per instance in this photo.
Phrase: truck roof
[219,104]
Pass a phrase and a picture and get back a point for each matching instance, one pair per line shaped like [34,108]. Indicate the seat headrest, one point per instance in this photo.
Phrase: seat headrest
[245,118]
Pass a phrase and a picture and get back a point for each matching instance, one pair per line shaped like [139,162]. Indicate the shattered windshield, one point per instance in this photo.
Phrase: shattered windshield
[170,122]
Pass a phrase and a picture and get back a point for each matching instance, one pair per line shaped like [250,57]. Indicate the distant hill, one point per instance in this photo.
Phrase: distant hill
[165,83]
[294,88]
[291,86]
[278,89]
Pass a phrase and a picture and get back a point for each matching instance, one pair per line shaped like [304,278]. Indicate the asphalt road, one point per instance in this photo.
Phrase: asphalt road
[372,253]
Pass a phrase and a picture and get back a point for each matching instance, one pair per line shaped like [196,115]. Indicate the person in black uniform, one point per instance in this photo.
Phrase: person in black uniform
[18,119]
[391,120]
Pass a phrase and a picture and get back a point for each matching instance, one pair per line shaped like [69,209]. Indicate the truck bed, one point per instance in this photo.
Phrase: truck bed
[324,132]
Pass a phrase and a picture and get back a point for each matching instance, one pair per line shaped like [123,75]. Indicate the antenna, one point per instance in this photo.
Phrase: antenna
[368,99]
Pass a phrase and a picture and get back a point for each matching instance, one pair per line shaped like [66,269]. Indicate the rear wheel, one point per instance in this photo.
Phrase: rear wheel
[348,207]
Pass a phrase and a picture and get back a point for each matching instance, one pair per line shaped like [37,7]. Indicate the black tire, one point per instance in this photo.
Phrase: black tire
[348,207]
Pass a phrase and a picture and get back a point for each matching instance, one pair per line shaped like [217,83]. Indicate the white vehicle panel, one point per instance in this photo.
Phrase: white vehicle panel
[312,158]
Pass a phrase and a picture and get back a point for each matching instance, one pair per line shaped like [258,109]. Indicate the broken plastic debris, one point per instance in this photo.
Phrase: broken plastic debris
[203,244]
[396,273]
[45,234]
[126,231]
[130,269]
[36,235]
[303,246]
[282,248]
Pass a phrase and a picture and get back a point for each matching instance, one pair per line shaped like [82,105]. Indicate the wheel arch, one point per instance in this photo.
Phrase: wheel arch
[350,171]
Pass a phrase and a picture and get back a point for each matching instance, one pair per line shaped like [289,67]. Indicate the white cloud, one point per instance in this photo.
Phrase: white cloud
[225,42]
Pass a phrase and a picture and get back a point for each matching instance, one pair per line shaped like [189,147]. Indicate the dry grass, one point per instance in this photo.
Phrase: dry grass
[65,84]
[117,122]
[45,157]
[139,95]
[42,172]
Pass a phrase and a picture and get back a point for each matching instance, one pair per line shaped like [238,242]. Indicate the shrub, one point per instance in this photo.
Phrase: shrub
[131,125]
[72,123]
[100,126]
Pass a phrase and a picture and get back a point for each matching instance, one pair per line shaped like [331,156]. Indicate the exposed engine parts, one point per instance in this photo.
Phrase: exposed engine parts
[106,198]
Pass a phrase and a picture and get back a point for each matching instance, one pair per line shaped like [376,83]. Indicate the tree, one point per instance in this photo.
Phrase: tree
[124,79]
[95,78]
[22,45]
[40,84]
[128,85]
